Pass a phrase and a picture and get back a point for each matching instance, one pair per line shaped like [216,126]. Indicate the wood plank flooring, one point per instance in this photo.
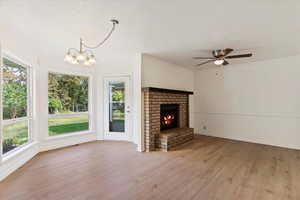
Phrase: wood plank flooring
[206,168]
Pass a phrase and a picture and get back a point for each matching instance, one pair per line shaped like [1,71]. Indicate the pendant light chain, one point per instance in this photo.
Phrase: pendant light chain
[86,57]
[105,39]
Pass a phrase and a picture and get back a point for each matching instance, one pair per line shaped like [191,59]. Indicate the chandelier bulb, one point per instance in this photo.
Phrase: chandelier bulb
[74,60]
[92,59]
[68,57]
[87,62]
[81,56]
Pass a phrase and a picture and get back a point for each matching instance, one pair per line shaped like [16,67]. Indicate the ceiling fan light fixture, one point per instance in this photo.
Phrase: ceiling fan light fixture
[219,57]
[219,62]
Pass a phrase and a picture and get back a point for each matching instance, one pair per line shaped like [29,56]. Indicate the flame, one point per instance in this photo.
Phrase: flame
[168,119]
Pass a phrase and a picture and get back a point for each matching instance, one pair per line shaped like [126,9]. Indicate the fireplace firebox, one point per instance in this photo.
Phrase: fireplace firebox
[168,116]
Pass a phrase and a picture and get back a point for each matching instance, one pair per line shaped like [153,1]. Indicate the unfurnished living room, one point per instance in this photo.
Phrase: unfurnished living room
[149,100]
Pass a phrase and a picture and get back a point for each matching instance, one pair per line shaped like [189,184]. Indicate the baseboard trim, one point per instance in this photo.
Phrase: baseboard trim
[56,143]
[11,165]
[249,141]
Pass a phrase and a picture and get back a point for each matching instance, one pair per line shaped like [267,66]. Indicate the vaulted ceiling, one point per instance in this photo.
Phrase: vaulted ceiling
[174,30]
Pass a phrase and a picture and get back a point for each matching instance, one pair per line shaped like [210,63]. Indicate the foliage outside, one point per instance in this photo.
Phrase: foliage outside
[14,135]
[14,90]
[118,97]
[117,107]
[14,105]
[67,94]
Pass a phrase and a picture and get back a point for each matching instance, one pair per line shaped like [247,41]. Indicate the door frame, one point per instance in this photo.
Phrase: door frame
[128,134]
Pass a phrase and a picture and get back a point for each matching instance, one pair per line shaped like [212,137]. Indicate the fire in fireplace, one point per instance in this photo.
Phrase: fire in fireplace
[168,116]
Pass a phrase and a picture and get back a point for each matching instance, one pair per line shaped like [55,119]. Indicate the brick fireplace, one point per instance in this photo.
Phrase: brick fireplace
[166,118]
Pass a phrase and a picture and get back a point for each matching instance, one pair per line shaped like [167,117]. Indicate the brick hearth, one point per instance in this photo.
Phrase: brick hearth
[165,140]
[169,139]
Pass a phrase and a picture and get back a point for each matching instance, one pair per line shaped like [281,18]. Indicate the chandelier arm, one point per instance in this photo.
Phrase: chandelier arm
[88,51]
[105,39]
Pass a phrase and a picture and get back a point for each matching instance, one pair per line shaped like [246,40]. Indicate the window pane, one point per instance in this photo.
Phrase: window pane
[14,135]
[67,93]
[68,124]
[14,90]
[117,107]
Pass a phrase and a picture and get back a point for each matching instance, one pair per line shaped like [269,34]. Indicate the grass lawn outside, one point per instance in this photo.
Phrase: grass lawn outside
[68,124]
[16,134]
[18,131]
[118,115]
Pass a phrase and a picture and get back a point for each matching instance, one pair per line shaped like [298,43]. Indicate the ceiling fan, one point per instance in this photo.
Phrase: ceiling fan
[220,56]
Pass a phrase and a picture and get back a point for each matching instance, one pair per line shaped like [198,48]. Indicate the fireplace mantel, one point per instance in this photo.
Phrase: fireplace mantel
[167,90]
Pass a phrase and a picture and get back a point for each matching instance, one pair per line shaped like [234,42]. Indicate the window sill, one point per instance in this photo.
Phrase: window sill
[66,135]
[16,152]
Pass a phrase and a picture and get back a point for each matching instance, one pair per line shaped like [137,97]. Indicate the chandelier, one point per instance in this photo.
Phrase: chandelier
[84,56]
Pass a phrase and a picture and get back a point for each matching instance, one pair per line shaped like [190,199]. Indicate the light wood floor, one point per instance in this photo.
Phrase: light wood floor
[207,168]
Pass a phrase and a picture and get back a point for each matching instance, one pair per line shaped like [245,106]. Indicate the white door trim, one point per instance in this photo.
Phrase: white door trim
[127,135]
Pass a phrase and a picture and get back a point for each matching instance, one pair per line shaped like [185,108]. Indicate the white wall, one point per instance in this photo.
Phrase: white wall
[46,142]
[256,102]
[126,66]
[118,66]
[162,74]
[159,73]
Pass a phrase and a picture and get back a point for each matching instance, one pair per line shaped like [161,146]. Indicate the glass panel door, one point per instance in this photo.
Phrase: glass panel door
[117,108]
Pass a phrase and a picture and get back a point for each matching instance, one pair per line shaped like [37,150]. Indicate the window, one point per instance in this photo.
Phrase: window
[68,106]
[16,108]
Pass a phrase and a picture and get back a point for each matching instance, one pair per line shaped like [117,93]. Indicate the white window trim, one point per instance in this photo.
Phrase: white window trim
[18,151]
[11,121]
[90,107]
[29,118]
[67,114]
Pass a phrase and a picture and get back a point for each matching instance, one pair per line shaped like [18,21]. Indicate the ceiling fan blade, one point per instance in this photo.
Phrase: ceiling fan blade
[239,56]
[203,58]
[225,63]
[227,51]
[205,62]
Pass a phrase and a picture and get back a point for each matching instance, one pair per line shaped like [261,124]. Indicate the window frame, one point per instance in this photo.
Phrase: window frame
[29,91]
[90,109]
